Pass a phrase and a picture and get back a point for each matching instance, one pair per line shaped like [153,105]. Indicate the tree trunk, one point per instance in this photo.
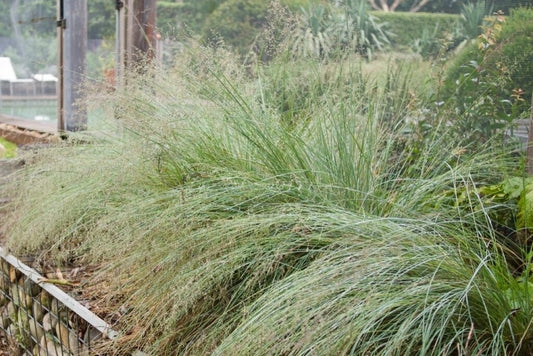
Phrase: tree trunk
[383,5]
[395,5]
[374,5]
[417,7]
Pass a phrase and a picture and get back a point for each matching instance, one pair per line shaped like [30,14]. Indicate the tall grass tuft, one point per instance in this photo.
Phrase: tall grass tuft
[229,224]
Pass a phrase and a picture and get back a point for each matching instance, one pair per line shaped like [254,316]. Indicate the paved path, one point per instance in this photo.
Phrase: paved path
[40,126]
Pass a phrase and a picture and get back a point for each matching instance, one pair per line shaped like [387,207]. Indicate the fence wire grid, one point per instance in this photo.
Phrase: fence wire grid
[40,319]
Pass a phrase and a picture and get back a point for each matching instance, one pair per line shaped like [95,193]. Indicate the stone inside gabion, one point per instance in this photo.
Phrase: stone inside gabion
[38,323]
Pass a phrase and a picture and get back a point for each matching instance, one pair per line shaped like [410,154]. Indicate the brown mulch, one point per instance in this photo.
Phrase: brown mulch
[5,348]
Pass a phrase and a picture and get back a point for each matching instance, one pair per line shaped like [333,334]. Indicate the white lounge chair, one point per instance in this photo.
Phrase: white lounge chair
[46,83]
[7,74]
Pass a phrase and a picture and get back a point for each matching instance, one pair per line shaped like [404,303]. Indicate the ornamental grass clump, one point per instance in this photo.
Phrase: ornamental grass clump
[224,224]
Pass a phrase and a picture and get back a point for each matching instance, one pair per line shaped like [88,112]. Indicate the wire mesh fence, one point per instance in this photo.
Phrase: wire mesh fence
[40,319]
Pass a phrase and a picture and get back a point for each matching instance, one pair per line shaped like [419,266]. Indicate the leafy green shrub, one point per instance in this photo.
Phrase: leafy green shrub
[507,203]
[237,22]
[433,43]
[516,51]
[407,27]
[170,16]
[100,59]
[189,14]
[488,84]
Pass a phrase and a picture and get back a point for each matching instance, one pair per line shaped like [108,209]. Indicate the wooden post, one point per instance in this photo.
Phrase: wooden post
[140,39]
[149,21]
[529,156]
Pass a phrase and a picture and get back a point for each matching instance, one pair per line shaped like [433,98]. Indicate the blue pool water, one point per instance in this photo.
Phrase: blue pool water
[40,110]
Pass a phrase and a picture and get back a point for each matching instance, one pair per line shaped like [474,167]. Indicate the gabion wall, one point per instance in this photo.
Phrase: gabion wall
[40,319]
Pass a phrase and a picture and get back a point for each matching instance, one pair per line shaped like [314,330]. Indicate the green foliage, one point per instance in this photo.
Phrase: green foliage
[189,15]
[507,5]
[407,27]
[504,201]
[231,190]
[516,51]
[11,148]
[39,54]
[173,15]
[193,15]
[237,22]
[429,45]
[314,37]
[5,30]
[509,204]
[471,19]
[360,31]
[525,207]
[100,60]
[204,6]
[325,31]
[454,7]
[34,17]
[488,85]
[38,17]
[433,6]
[100,19]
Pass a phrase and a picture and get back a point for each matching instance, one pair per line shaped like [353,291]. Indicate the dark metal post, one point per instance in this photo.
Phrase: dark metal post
[74,64]
[119,41]
[59,89]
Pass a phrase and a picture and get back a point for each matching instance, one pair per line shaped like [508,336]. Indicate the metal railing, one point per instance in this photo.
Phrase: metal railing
[40,319]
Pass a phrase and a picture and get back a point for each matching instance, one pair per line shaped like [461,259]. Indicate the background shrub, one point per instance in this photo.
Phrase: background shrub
[516,50]
[512,55]
[489,83]
[408,27]
[170,16]
[238,22]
